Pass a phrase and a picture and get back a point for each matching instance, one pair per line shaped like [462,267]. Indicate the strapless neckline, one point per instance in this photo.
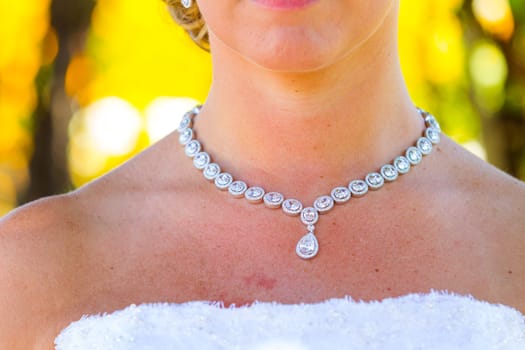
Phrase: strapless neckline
[437,320]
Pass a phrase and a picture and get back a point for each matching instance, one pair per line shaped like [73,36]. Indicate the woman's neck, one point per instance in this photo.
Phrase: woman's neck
[323,127]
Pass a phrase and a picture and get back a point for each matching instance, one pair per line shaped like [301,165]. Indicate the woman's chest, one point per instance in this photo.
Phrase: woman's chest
[240,263]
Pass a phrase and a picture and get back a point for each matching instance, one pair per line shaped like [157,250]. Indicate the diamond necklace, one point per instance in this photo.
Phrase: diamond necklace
[308,246]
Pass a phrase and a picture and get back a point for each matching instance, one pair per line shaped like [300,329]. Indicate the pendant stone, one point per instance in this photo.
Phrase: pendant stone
[307,247]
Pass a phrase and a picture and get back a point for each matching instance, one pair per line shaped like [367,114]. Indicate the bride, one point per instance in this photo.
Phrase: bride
[348,190]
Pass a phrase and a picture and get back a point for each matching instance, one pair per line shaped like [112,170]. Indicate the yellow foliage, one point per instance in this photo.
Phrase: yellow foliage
[145,55]
[430,45]
[49,47]
[7,193]
[445,55]
[23,27]
[78,77]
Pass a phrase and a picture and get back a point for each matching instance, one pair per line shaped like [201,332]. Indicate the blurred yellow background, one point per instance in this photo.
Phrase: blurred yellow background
[85,85]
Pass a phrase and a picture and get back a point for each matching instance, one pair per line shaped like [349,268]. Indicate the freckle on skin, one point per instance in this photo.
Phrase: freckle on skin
[509,272]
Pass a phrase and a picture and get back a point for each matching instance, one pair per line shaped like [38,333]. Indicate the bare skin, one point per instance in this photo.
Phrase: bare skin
[154,230]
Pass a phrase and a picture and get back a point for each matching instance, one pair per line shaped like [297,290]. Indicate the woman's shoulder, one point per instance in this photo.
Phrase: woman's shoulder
[48,247]
[496,198]
[156,169]
[47,250]
[37,253]
[482,183]
[489,206]
[39,227]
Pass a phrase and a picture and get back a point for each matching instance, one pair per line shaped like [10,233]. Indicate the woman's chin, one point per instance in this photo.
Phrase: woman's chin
[292,58]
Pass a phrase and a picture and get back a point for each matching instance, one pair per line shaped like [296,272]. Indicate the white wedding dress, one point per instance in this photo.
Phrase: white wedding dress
[416,321]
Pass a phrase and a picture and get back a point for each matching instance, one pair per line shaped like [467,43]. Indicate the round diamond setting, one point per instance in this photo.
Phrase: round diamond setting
[185,122]
[309,216]
[254,194]
[424,145]
[374,181]
[358,188]
[292,207]
[211,171]
[433,135]
[414,155]
[341,195]
[192,148]
[223,180]
[402,165]
[237,188]
[273,200]
[323,204]
[200,160]
[389,172]
[431,122]
[185,136]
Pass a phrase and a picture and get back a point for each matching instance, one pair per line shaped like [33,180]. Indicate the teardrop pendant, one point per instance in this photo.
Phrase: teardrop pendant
[307,247]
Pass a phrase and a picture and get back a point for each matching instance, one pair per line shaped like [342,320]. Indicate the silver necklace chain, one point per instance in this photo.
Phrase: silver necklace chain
[308,246]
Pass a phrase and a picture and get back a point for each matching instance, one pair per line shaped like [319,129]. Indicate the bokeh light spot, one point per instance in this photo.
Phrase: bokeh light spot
[475,148]
[488,66]
[163,115]
[495,16]
[113,125]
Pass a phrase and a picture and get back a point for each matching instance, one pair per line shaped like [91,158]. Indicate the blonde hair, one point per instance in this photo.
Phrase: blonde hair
[191,20]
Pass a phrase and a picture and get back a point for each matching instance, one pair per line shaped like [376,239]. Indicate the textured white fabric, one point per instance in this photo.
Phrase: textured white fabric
[415,321]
